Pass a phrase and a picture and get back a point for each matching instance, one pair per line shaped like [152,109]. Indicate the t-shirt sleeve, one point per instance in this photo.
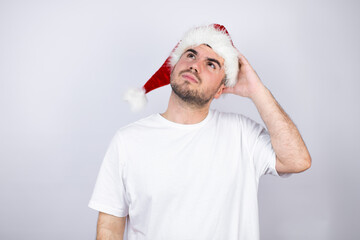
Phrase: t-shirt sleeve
[260,148]
[109,195]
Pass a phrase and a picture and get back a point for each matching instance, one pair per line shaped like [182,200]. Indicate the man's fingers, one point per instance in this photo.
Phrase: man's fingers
[243,60]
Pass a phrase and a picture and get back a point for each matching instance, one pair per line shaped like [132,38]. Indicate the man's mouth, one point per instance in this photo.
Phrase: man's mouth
[190,77]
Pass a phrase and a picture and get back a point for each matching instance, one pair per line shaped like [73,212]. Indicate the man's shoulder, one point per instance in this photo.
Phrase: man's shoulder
[138,126]
[222,115]
[245,121]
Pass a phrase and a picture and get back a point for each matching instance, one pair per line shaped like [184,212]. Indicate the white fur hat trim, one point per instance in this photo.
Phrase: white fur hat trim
[219,41]
[137,98]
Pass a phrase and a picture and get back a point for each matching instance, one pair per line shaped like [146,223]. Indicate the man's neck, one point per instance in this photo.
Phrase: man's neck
[181,112]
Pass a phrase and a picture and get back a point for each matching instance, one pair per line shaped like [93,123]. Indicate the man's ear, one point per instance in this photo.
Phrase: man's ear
[220,91]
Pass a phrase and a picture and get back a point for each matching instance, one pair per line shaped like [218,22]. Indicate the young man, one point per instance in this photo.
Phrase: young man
[192,172]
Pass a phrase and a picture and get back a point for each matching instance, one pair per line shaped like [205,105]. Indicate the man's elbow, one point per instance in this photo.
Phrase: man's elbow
[305,163]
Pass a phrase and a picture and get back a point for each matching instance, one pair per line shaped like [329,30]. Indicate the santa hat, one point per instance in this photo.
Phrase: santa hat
[214,35]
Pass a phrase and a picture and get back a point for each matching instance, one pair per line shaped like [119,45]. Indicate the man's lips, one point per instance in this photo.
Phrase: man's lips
[190,77]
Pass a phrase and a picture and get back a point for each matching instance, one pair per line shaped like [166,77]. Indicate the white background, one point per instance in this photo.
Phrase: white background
[64,66]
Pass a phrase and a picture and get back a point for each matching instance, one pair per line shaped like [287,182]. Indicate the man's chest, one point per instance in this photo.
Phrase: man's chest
[192,168]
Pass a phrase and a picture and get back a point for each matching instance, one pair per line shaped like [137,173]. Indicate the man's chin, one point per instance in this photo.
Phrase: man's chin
[190,97]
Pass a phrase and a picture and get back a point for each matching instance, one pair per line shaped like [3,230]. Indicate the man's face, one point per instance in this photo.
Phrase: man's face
[197,76]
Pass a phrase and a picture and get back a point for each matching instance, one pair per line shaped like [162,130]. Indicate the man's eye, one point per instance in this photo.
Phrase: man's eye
[191,55]
[212,65]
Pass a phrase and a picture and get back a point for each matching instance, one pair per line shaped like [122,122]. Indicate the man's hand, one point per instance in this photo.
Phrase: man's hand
[249,83]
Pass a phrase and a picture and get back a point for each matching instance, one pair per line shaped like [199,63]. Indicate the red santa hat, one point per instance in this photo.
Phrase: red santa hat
[214,35]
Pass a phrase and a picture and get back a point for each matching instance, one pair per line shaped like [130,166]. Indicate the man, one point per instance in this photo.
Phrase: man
[192,172]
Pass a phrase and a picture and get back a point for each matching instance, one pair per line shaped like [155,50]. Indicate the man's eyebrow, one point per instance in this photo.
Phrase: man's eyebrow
[209,59]
[215,61]
[192,50]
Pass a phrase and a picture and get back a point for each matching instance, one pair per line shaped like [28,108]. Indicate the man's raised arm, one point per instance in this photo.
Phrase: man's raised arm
[292,156]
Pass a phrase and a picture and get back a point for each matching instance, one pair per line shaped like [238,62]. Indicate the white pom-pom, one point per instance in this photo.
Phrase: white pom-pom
[137,98]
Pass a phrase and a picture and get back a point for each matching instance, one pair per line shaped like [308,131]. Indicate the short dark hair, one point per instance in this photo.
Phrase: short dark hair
[223,81]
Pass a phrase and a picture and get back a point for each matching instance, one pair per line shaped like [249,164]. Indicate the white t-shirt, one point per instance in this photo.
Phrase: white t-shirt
[186,181]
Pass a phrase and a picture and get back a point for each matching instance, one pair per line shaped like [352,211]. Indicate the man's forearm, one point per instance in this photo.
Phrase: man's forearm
[286,140]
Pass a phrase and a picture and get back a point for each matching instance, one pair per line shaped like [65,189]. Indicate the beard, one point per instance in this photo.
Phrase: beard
[193,97]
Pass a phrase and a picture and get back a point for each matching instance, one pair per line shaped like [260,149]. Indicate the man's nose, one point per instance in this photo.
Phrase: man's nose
[195,66]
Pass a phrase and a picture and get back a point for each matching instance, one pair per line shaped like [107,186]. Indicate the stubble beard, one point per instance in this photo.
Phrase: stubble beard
[192,97]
